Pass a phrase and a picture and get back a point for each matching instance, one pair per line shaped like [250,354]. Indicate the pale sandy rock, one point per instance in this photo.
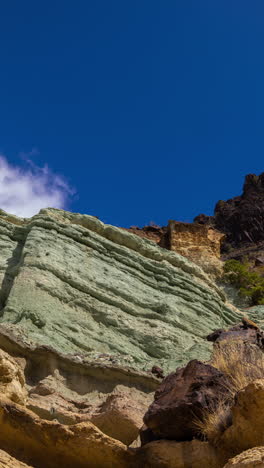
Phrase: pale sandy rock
[12,380]
[121,416]
[246,430]
[71,390]
[48,444]
[73,283]
[6,461]
[170,454]
[252,458]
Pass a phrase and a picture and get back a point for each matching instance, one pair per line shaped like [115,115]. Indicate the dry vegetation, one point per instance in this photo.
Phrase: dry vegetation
[242,363]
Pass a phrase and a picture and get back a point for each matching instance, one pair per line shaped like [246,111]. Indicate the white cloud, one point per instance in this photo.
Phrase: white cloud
[24,191]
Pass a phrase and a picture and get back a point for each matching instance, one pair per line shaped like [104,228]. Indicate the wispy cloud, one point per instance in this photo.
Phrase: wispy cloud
[25,190]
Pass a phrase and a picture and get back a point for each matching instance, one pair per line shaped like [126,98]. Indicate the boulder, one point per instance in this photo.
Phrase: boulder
[250,458]
[246,430]
[247,332]
[182,397]
[49,444]
[121,417]
[171,454]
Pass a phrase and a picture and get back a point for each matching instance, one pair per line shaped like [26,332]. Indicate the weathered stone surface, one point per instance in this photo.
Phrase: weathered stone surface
[252,458]
[71,390]
[182,397]
[247,332]
[48,444]
[12,381]
[121,415]
[170,454]
[73,283]
[151,232]
[246,430]
[6,461]
[241,219]
[200,243]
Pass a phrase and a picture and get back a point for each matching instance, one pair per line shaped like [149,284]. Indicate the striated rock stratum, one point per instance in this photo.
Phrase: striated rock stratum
[70,282]
[97,325]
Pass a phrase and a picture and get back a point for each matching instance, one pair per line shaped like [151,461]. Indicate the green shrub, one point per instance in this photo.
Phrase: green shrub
[249,283]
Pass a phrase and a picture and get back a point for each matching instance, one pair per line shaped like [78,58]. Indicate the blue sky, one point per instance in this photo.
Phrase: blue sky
[149,110]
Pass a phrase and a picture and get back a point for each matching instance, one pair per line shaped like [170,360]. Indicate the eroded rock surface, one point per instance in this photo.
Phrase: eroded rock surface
[71,390]
[241,219]
[246,430]
[73,283]
[252,458]
[200,243]
[49,444]
[6,461]
[247,332]
[12,380]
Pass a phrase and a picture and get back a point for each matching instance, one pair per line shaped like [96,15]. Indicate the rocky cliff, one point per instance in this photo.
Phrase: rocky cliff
[93,317]
[73,283]
[199,242]
[241,219]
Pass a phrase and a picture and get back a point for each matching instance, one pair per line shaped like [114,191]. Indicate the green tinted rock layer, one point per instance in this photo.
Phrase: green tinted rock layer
[73,283]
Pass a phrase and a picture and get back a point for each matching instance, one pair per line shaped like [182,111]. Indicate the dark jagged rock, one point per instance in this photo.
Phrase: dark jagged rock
[241,218]
[247,332]
[182,397]
[158,372]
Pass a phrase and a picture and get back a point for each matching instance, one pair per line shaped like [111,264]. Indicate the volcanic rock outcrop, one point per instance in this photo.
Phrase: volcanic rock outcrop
[183,396]
[241,219]
[79,286]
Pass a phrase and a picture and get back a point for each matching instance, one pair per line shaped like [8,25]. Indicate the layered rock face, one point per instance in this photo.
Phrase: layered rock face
[73,283]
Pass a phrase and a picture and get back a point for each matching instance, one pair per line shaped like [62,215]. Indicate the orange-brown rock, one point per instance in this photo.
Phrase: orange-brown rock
[6,461]
[171,454]
[49,444]
[151,232]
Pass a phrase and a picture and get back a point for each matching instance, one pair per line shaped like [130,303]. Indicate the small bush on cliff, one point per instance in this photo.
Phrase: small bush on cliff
[243,363]
[249,283]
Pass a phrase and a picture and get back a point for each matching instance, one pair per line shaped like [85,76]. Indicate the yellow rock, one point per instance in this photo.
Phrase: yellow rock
[248,416]
[12,379]
[252,458]
[49,444]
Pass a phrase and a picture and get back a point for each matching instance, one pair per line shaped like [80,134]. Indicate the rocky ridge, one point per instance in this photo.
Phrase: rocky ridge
[241,219]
